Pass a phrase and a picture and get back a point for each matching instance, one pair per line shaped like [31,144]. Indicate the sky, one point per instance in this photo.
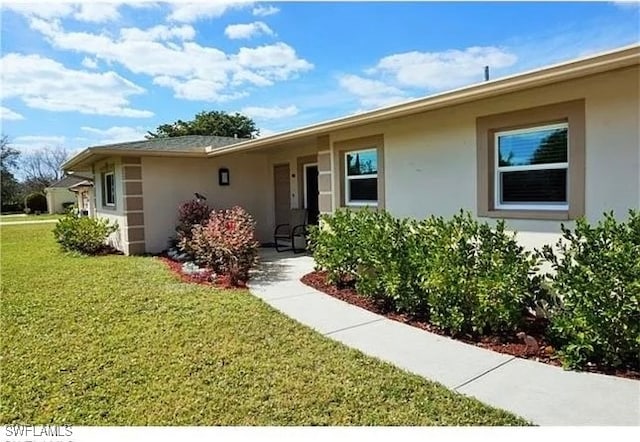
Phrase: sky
[81,74]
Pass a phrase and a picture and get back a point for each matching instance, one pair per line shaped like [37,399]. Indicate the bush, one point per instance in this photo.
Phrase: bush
[12,207]
[477,278]
[68,206]
[225,243]
[464,275]
[36,202]
[191,213]
[83,234]
[597,277]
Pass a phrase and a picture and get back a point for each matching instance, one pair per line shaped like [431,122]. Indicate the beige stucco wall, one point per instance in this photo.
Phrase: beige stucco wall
[430,158]
[167,182]
[56,196]
[117,239]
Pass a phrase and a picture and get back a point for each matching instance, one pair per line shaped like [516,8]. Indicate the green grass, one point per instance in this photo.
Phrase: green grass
[118,340]
[8,218]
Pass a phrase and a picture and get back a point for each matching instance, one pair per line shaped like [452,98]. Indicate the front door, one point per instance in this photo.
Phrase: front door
[311,192]
[282,191]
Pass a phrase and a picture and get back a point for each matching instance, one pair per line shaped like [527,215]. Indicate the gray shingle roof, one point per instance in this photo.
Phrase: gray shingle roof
[188,143]
[69,180]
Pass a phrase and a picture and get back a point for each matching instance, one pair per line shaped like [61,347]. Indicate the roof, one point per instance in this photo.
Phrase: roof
[84,183]
[189,145]
[607,61]
[68,181]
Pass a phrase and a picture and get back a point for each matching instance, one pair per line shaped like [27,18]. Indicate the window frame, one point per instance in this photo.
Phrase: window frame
[497,169]
[571,112]
[105,192]
[347,180]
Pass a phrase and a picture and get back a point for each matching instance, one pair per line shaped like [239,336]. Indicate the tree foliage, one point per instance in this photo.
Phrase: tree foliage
[9,158]
[217,123]
[43,166]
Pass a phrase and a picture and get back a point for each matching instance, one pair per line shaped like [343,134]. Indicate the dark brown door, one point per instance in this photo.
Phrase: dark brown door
[282,191]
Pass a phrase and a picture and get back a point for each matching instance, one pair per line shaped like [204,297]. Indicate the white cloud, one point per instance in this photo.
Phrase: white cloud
[46,10]
[270,113]
[34,142]
[443,70]
[9,115]
[247,30]
[627,4]
[97,12]
[43,83]
[191,12]
[193,71]
[89,63]
[264,132]
[115,134]
[371,93]
[264,11]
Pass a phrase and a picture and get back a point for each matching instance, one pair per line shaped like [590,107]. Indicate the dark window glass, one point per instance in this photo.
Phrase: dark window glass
[543,146]
[362,163]
[108,189]
[365,189]
[534,186]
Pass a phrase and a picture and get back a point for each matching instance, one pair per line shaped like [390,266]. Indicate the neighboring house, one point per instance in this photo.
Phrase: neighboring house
[536,149]
[85,199]
[58,192]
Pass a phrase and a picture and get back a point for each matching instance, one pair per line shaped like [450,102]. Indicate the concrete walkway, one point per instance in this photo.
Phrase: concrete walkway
[540,393]
[40,221]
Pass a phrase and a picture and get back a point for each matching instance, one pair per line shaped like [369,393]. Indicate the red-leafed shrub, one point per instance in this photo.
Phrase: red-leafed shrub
[226,243]
[191,213]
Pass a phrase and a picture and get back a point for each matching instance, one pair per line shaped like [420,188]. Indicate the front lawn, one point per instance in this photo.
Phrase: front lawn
[117,340]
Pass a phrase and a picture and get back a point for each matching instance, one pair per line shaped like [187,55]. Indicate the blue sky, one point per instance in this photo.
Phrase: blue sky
[76,74]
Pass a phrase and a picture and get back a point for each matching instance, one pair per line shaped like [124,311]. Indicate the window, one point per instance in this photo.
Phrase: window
[531,162]
[108,189]
[361,177]
[531,169]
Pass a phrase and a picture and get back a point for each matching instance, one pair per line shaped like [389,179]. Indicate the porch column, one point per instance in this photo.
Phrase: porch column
[133,205]
[325,177]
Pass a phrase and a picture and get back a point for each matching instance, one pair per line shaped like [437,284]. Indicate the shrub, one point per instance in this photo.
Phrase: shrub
[464,275]
[335,243]
[225,243]
[477,278]
[191,213]
[36,202]
[68,206]
[83,234]
[597,277]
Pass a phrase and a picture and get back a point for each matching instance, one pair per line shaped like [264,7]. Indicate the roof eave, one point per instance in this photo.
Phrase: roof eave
[89,152]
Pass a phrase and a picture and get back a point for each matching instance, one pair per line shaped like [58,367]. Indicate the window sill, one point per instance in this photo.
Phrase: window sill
[560,215]
[113,207]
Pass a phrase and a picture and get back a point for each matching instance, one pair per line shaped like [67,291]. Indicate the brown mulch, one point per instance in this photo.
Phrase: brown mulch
[204,278]
[507,344]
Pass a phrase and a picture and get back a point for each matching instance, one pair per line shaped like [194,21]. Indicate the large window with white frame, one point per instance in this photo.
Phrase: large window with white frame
[532,168]
[361,177]
[108,189]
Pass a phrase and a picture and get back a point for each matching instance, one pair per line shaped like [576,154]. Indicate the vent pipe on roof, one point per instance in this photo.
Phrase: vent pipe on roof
[486,73]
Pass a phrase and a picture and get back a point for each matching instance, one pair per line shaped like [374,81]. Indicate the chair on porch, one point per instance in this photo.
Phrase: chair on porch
[296,228]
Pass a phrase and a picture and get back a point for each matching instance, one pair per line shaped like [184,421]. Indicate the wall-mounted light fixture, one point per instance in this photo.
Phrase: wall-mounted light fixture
[223,176]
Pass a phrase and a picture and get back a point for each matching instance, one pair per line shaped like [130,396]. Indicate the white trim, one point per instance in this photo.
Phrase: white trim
[323,152]
[325,172]
[497,182]
[348,179]
[304,181]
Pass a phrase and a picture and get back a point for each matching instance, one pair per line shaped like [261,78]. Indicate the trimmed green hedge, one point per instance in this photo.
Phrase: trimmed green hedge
[469,277]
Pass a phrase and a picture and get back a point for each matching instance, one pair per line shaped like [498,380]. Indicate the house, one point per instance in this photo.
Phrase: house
[537,149]
[58,192]
[84,196]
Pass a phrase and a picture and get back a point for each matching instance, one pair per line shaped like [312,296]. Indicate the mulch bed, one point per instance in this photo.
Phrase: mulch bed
[507,344]
[204,278]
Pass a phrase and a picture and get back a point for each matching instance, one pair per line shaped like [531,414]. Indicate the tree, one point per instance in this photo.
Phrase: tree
[44,166]
[217,123]
[8,162]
